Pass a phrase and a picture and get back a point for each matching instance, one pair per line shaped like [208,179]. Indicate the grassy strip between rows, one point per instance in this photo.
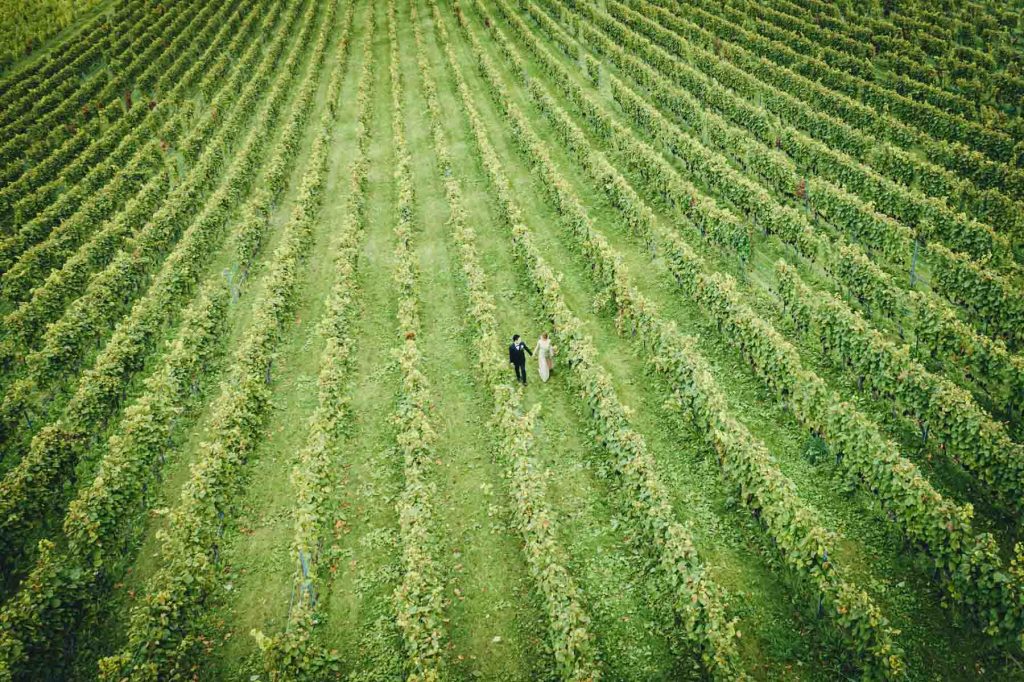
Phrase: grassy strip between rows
[294,654]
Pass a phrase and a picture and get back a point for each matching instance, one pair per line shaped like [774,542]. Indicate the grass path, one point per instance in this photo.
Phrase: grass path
[493,624]
[359,619]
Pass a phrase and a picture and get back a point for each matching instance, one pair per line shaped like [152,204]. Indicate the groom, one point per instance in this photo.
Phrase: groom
[517,356]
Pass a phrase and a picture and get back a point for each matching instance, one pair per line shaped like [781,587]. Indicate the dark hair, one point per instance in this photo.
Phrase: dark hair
[515,337]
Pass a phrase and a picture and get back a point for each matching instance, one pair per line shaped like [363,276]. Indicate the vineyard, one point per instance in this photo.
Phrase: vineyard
[260,264]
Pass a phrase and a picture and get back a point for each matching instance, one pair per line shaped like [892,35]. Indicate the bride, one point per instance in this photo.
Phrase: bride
[545,356]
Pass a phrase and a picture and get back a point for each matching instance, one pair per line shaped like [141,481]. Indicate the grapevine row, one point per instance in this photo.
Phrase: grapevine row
[993,299]
[56,65]
[882,34]
[939,334]
[419,597]
[990,205]
[937,327]
[985,172]
[898,72]
[877,172]
[894,242]
[888,107]
[19,400]
[67,90]
[972,72]
[64,584]
[21,99]
[65,102]
[162,639]
[112,290]
[23,26]
[961,23]
[696,601]
[25,144]
[673,188]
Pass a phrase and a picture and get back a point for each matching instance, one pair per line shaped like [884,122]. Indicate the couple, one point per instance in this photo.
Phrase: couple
[545,357]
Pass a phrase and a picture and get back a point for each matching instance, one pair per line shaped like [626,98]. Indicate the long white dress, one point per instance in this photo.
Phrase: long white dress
[545,359]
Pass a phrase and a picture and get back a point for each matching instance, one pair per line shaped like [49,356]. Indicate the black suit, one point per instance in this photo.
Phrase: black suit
[517,356]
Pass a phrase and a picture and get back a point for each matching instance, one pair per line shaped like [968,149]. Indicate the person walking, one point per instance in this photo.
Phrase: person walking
[545,356]
[517,351]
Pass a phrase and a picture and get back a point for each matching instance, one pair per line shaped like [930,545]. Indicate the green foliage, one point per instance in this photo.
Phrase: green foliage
[32,487]
[992,300]
[569,635]
[945,413]
[27,24]
[56,118]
